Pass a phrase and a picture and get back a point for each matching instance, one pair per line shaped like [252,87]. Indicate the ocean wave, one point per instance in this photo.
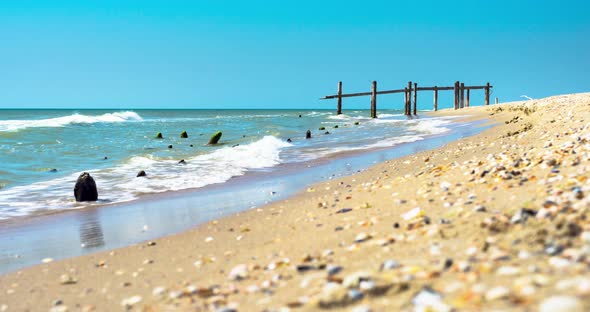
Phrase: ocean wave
[120,184]
[16,125]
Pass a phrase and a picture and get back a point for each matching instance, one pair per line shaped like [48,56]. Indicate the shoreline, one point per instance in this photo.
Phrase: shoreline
[347,226]
[255,189]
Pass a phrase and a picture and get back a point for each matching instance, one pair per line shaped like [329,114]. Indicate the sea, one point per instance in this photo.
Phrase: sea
[42,152]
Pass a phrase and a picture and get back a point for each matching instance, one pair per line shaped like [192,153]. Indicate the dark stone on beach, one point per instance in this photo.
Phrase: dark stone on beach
[184,135]
[159,135]
[52,170]
[344,210]
[182,162]
[522,215]
[85,189]
[308,134]
[357,123]
[289,140]
[215,138]
[322,128]
[302,268]
[170,146]
[141,174]
[336,127]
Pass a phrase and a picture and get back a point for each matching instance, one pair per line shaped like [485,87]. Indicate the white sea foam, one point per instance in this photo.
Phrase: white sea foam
[15,125]
[120,184]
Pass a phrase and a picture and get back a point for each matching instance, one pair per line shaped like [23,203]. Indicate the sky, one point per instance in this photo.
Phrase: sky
[284,54]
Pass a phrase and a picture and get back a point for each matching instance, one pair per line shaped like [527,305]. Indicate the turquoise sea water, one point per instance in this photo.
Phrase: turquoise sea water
[42,152]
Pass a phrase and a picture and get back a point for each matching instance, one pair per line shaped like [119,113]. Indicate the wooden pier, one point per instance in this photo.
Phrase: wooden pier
[459,88]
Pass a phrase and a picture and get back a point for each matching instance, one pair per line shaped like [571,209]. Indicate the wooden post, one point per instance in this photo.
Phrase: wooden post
[339,109]
[409,99]
[435,98]
[463,105]
[374,100]
[488,93]
[415,97]
[467,103]
[406,100]
[456,89]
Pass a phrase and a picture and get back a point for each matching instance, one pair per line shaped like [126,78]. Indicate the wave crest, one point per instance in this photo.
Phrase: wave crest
[16,125]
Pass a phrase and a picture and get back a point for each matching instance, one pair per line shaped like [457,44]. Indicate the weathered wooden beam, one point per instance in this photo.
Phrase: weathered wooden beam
[467,102]
[391,91]
[432,88]
[328,97]
[477,87]
[374,100]
[339,108]
[435,98]
[462,94]
[487,94]
[415,97]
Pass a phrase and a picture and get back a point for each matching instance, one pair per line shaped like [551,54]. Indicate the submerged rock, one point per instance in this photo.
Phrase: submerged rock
[141,174]
[322,128]
[85,188]
[215,138]
[159,135]
[184,135]
[170,146]
[182,162]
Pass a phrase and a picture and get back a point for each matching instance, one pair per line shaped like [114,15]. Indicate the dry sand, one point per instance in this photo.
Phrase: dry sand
[494,221]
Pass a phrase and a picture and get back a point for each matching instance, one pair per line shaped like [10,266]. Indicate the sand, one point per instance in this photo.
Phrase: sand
[494,221]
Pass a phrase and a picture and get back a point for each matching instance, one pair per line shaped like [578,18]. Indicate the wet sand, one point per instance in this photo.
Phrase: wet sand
[494,221]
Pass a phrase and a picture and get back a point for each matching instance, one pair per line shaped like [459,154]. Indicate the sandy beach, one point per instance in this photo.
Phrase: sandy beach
[497,221]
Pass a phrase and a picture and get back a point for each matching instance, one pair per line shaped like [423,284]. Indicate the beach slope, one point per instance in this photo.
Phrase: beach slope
[494,221]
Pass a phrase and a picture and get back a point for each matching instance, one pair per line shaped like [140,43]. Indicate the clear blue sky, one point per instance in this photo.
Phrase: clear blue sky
[283,54]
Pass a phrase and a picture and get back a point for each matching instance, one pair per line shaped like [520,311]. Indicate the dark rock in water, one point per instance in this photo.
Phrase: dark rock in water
[159,135]
[141,174]
[289,140]
[52,170]
[105,158]
[235,145]
[170,146]
[357,123]
[322,128]
[243,136]
[327,132]
[308,134]
[191,145]
[85,189]
[299,116]
[184,135]
[215,138]
[182,162]
[336,127]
